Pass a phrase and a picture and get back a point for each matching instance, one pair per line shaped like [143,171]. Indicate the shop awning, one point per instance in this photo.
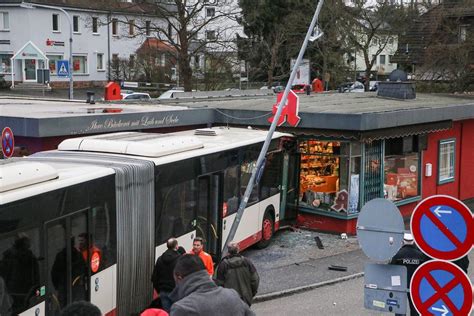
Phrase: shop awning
[369,136]
[404,131]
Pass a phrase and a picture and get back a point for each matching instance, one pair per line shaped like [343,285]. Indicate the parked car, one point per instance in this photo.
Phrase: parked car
[135,96]
[351,87]
[299,88]
[170,94]
[373,85]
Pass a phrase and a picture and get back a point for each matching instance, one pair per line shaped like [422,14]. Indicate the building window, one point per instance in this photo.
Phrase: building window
[170,30]
[147,28]
[401,169]
[53,63]
[79,64]
[163,60]
[55,22]
[211,35]
[463,33]
[5,63]
[75,24]
[131,27]
[390,40]
[447,156]
[382,59]
[95,25]
[210,12]
[390,59]
[100,61]
[114,27]
[329,179]
[4,21]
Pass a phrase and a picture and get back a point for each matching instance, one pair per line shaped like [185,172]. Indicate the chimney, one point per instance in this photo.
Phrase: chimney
[398,87]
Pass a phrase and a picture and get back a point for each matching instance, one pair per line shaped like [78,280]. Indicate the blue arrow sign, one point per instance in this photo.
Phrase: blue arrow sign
[434,233]
[63,68]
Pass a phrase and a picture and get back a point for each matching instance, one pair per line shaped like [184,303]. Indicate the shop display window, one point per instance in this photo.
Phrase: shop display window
[401,169]
[324,176]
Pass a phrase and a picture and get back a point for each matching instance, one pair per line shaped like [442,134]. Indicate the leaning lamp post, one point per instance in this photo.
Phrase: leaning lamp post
[29,5]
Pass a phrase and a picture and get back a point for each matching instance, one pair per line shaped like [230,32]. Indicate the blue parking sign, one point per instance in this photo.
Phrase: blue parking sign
[63,68]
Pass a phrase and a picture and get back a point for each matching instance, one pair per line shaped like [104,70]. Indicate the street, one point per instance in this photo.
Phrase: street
[345,298]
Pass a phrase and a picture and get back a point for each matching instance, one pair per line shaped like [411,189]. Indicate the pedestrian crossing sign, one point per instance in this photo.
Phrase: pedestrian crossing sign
[63,68]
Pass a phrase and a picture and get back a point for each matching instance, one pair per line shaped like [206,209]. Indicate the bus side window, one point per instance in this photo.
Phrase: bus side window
[20,268]
[245,174]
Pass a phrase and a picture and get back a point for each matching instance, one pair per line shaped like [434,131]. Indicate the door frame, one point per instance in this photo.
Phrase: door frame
[23,64]
[220,198]
[67,225]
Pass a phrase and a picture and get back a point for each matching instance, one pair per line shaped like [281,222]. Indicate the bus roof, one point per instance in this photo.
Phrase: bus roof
[165,148]
[37,178]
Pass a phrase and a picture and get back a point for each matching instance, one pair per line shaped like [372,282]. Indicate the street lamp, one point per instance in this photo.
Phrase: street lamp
[28,5]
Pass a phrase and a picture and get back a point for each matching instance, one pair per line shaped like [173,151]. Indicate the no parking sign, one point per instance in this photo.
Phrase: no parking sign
[443,228]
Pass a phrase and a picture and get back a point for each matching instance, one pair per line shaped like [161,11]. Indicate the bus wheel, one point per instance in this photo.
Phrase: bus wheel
[268,228]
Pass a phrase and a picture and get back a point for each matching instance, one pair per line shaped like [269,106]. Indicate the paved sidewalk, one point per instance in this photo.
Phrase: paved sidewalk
[294,263]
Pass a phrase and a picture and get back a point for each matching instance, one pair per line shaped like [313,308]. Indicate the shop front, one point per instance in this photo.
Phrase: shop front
[28,60]
[338,176]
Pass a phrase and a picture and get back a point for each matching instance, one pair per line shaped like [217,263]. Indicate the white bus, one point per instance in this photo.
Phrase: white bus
[88,220]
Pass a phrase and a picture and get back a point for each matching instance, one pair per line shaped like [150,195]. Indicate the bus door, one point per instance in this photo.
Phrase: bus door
[209,212]
[67,257]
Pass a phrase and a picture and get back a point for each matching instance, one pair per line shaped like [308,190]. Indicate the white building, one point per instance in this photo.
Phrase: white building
[383,64]
[36,38]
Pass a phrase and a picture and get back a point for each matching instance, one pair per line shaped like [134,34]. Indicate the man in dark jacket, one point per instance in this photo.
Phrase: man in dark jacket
[238,273]
[411,257]
[162,277]
[196,294]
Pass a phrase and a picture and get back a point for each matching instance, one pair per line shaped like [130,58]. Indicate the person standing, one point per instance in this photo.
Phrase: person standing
[196,294]
[238,273]
[411,257]
[198,245]
[162,277]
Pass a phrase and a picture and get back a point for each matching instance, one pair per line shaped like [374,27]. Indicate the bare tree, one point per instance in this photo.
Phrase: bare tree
[370,28]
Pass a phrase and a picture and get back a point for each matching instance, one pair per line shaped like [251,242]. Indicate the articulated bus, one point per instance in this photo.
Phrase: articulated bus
[88,221]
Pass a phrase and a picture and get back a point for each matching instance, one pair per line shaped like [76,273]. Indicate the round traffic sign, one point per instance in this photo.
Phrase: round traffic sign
[380,229]
[441,288]
[443,227]
[8,142]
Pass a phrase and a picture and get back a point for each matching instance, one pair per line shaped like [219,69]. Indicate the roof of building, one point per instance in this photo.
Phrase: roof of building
[330,114]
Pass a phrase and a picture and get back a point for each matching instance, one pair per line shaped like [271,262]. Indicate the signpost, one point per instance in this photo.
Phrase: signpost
[443,227]
[8,142]
[380,229]
[441,288]
[63,68]
[385,288]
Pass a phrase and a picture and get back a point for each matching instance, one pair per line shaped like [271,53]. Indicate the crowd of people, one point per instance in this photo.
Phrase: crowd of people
[187,284]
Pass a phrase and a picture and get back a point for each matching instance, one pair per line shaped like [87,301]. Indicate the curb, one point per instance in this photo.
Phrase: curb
[304,288]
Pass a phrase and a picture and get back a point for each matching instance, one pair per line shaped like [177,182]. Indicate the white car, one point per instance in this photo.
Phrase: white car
[170,94]
[356,87]
[135,96]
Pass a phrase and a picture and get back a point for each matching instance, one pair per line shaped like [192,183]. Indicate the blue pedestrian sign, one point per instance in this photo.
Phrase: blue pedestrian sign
[443,227]
[63,68]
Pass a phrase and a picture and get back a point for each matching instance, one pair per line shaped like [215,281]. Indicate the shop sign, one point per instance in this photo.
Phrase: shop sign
[54,43]
[290,110]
